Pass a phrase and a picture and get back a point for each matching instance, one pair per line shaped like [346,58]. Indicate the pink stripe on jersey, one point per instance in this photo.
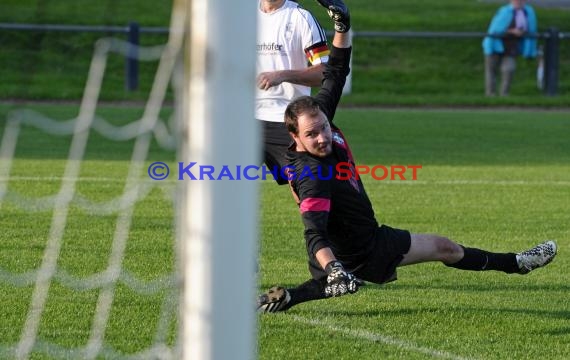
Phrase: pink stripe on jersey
[315,204]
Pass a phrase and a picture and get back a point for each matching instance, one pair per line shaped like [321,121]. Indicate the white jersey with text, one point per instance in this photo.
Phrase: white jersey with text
[289,38]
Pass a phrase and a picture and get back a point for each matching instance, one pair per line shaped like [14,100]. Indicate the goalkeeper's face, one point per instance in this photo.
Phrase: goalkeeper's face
[314,134]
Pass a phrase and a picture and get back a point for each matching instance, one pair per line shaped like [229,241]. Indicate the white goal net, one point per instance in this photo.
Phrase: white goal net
[93,251]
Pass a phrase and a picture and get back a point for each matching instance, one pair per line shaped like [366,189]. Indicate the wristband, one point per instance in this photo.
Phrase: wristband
[331,266]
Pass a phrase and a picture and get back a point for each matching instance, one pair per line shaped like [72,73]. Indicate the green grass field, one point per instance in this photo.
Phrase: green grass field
[494,179]
[491,179]
[438,71]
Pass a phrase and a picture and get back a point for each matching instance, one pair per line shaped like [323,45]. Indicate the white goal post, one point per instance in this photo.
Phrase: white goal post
[219,228]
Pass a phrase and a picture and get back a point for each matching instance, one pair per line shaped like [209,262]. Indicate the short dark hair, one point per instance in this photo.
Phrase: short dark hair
[301,105]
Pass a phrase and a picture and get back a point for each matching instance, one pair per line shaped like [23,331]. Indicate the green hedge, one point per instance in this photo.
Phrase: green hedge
[54,65]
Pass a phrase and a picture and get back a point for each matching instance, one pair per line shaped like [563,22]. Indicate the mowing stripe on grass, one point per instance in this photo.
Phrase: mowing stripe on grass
[378,338]
[59,178]
[479,182]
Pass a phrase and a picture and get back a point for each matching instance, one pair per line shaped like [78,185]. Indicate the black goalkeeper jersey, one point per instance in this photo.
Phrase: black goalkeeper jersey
[336,211]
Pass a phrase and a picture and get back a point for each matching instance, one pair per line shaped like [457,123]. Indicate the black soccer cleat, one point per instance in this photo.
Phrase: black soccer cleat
[274,300]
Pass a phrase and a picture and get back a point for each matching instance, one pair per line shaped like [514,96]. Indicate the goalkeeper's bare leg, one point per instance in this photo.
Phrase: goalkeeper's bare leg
[423,248]
[426,247]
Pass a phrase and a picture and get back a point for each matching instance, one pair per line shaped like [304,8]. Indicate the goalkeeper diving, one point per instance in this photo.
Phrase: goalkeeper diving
[344,241]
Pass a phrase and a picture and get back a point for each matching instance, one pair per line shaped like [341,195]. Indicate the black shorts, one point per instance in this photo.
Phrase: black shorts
[276,141]
[391,245]
[379,266]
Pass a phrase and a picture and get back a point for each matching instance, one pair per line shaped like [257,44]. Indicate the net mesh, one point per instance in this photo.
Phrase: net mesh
[44,319]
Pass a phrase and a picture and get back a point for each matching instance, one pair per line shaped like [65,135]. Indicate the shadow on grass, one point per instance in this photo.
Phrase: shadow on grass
[469,137]
[465,312]
[476,288]
[562,331]
[489,287]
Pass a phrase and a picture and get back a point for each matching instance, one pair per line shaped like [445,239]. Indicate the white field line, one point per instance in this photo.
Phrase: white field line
[379,338]
[479,182]
[386,182]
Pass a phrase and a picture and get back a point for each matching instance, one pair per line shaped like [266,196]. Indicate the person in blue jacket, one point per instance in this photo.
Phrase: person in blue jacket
[514,26]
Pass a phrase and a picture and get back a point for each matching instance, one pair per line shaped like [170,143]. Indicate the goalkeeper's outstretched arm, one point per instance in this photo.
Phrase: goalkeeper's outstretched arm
[339,13]
[337,68]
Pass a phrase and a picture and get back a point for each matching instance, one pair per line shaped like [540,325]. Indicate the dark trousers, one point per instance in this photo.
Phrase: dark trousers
[493,64]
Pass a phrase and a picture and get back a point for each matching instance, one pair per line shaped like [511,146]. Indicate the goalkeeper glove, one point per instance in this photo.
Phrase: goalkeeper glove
[339,281]
[339,13]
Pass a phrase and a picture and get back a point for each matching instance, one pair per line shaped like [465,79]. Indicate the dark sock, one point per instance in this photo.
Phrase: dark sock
[480,260]
[307,291]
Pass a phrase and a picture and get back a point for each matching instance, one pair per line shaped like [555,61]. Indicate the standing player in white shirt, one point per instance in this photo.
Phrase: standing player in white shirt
[291,49]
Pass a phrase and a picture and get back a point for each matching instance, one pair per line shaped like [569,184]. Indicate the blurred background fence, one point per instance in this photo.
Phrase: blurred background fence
[390,67]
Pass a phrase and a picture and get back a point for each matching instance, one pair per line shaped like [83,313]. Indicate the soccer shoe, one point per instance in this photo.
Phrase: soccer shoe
[274,300]
[538,256]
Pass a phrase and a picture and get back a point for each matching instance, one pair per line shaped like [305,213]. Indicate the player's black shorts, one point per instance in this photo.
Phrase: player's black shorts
[379,266]
[391,245]
[276,140]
